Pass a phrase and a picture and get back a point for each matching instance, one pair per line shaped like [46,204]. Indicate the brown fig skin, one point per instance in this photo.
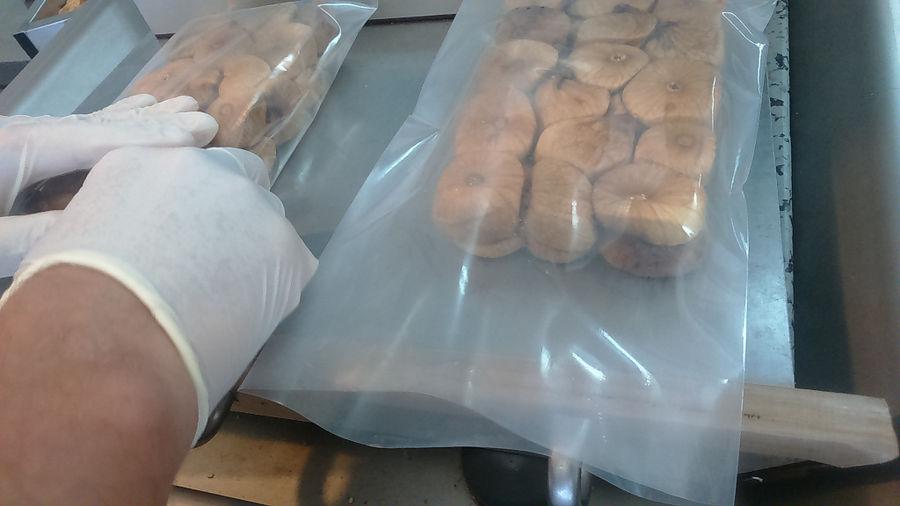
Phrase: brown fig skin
[518,64]
[674,89]
[640,258]
[241,118]
[559,225]
[477,202]
[593,144]
[609,66]
[683,146]
[651,202]
[535,22]
[560,99]
[616,28]
[588,8]
[498,120]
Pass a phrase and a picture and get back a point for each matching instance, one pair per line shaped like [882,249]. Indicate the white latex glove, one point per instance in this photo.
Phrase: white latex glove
[33,149]
[205,247]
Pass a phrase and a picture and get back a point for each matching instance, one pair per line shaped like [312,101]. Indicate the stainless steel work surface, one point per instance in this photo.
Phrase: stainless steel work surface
[372,95]
[88,56]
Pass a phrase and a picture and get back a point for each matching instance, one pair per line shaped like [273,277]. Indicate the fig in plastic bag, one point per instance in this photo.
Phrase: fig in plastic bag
[243,75]
[290,45]
[697,41]
[265,149]
[555,4]
[690,29]
[281,94]
[518,64]
[70,6]
[616,28]
[477,203]
[215,39]
[164,83]
[651,202]
[640,258]
[535,22]
[678,11]
[497,120]
[241,119]
[674,89]
[561,99]
[685,147]
[559,224]
[592,144]
[204,87]
[606,65]
[588,8]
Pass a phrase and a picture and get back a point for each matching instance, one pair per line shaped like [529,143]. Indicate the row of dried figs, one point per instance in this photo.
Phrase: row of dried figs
[255,73]
[589,129]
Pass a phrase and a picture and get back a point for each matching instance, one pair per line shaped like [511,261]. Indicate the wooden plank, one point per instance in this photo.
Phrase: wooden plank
[837,429]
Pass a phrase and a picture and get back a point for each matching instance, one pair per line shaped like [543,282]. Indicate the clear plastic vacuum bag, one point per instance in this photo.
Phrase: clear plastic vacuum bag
[261,72]
[551,255]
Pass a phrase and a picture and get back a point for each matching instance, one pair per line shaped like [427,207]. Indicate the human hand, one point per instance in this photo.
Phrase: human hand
[33,149]
[194,235]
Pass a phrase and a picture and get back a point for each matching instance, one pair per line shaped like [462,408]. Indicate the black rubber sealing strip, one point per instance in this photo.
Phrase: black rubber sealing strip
[26,44]
[414,19]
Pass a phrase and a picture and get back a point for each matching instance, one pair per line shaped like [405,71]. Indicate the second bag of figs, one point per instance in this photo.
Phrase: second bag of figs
[551,255]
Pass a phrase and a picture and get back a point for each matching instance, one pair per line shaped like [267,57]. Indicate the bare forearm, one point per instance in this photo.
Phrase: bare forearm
[96,406]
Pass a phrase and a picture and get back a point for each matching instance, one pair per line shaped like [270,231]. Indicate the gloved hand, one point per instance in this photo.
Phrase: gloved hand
[205,247]
[33,149]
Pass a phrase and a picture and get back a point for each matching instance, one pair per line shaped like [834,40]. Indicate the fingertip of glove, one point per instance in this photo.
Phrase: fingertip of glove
[182,103]
[202,126]
[249,163]
[132,102]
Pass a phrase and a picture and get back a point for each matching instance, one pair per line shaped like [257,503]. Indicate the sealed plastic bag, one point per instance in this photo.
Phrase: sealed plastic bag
[551,255]
[261,72]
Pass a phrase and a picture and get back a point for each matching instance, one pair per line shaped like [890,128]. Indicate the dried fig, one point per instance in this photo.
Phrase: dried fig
[606,65]
[241,118]
[674,89]
[558,225]
[640,258]
[593,144]
[616,28]
[477,203]
[518,64]
[588,8]
[651,202]
[685,147]
[560,99]
[535,23]
[500,120]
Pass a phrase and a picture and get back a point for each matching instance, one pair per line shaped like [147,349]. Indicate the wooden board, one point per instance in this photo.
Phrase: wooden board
[837,429]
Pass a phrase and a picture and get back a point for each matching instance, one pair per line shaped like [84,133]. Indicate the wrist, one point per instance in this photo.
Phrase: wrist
[86,373]
[111,271]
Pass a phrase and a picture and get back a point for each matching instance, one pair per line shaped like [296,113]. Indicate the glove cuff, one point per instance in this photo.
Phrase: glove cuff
[137,284]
